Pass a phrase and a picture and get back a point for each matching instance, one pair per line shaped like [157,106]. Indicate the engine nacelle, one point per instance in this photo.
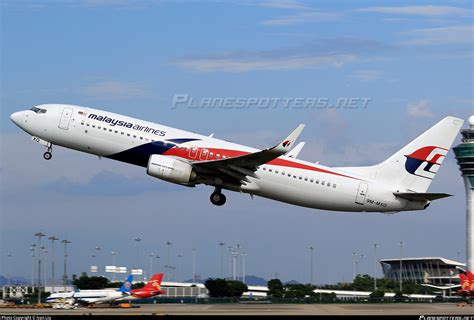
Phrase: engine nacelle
[170,169]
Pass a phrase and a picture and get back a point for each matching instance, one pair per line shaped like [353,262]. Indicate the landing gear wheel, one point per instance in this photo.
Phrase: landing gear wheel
[47,155]
[218,198]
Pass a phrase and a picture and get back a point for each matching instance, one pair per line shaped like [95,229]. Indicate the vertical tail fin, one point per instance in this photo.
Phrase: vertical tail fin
[127,285]
[414,166]
[155,283]
[470,276]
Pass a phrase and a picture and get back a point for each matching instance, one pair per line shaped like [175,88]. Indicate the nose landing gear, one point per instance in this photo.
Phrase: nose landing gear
[217,197]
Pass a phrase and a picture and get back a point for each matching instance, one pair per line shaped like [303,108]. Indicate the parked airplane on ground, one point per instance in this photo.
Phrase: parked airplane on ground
[399,183]
[151,289]
[93,296]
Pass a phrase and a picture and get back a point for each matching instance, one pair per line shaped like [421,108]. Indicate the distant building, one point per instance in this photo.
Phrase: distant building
[16,291]
[425,270]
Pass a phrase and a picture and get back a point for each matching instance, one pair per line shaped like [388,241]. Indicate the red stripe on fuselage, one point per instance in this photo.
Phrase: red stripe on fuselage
[198,155]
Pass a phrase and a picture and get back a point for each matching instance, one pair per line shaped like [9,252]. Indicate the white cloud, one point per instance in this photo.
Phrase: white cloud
[302,17]
[420,109]
[428,10]
[114,90]
[334,52]
[281,4]
[461,34]
[245,65]
[366,75]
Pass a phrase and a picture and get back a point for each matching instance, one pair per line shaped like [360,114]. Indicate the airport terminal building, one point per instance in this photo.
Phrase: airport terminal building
[424,270]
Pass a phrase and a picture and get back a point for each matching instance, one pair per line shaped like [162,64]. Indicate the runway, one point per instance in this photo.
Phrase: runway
[260,309]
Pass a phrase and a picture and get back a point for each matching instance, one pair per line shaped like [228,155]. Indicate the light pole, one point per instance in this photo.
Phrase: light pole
[151,255]
[9,256]
[65,242]
[231,261]
[400,276]
[354,257]
[137,242]
[234,265]
[375,266]
[158,262]
[97,248]
[168,265]
[179,267]
[194,265]
[243,267]
[45,252]
[39,235]
[311,249]
[52,238]
[237,255]
[32,249]
[113,264]
[222,244]
[362,256]
[94,261]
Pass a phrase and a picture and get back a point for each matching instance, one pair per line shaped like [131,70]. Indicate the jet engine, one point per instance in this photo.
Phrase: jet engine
[170,169]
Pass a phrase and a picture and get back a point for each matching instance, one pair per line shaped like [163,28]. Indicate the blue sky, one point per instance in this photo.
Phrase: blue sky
[414,62]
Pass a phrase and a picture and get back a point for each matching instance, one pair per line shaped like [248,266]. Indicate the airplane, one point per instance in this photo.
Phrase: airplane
[399,183]
[151,289]
[88,297]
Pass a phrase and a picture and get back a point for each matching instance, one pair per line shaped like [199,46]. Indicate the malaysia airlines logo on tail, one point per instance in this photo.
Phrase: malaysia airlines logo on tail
[425,161]
[286,143]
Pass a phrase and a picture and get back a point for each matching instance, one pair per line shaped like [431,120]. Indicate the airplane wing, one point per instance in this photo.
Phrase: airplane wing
[237,168]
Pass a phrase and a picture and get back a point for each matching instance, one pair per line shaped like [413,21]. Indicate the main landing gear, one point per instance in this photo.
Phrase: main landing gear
[48,154]
[217,197]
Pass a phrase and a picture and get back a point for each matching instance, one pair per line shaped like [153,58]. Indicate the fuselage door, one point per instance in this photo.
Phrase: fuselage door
[361,193]
[204,154]
[65,118]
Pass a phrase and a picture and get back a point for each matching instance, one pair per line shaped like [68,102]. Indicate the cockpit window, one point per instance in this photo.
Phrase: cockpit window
[38,110]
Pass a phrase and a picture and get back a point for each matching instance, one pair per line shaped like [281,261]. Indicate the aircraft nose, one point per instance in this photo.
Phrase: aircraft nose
[16,117]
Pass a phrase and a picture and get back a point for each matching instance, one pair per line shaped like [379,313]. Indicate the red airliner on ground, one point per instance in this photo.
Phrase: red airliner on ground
[151,289]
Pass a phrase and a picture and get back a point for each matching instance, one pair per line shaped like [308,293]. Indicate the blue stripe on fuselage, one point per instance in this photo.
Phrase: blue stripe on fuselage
[139,155]
[181,140]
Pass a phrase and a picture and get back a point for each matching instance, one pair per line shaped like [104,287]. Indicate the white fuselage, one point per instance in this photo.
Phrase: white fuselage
[284,179]
[87,296]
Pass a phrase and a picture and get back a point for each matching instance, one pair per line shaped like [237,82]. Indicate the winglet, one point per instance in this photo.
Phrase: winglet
[284,146]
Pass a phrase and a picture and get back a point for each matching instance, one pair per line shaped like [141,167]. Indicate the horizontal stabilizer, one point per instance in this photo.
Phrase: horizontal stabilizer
[419,196]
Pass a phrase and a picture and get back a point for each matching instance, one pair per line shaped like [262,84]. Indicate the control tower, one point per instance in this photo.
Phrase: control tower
[465,156]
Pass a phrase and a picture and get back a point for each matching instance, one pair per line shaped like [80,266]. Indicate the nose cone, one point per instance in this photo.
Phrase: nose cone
[16,117]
